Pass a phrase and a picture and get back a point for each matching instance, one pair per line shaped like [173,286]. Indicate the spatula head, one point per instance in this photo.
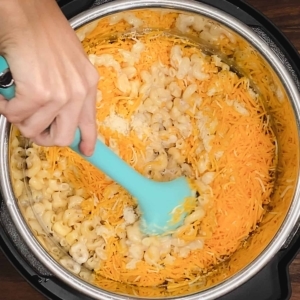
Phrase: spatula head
[164,205]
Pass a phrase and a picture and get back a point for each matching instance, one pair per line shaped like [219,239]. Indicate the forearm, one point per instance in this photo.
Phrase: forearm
[18,16]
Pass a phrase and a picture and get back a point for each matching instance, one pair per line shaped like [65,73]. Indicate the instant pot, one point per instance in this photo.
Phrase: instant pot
[272,282]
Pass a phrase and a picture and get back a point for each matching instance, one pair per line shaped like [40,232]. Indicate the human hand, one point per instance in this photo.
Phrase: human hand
[55,82]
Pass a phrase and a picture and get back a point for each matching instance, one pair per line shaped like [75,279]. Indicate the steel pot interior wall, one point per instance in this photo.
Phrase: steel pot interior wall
[281,100]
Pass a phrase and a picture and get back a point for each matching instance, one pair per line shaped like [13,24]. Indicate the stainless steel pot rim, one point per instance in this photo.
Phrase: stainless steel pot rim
[294,211]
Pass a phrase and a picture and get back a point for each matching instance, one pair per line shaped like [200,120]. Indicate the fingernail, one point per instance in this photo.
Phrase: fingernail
[89,152]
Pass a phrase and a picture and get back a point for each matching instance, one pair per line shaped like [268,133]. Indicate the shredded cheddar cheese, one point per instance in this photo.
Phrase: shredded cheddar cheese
[235,121]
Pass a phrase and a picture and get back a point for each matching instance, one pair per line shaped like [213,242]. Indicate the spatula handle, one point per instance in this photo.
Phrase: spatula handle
[103,158]
[112,165]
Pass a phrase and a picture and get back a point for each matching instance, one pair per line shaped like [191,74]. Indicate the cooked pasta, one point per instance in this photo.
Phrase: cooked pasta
[168,109]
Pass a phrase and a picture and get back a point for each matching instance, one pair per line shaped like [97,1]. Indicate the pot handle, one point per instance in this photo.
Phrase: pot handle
[271,282]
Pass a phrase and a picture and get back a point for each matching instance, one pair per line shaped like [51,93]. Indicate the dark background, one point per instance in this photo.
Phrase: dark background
[283,13]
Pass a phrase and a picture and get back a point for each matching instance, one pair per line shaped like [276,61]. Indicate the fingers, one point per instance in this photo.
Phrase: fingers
[35,126]
[52,122]
[80,112]
[87,123]
[60,133]
[33,91]
[31,122]
[60,126]
[48,111]
[22,107]
[61,115]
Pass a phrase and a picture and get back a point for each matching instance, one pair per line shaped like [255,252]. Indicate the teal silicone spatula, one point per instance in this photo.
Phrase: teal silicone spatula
[161,203]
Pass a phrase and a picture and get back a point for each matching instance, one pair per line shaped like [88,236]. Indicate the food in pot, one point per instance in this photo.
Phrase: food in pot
[169,108]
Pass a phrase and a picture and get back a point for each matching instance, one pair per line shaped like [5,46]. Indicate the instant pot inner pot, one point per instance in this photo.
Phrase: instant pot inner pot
[41,197]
